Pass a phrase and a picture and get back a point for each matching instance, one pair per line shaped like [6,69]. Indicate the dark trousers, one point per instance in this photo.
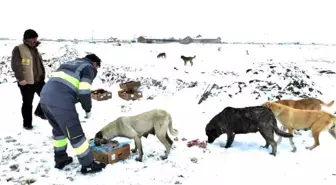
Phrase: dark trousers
[66,126]
[28,91]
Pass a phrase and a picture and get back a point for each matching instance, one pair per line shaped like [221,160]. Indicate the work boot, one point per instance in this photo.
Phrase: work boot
[93,168]
[61,165]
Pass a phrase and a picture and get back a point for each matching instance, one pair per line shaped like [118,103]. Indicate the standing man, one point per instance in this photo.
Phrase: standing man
[30,73]
[69,84]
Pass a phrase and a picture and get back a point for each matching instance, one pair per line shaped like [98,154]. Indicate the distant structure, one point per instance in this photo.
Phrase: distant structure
[187,40]
[142,39]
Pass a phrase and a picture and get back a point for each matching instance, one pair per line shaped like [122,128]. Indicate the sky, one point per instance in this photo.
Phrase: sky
[232,20]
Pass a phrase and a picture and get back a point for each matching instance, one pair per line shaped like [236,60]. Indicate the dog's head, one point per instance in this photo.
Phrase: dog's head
[99,139]
[214,129]
[276,108]
[211,132]
[218,125]
[272,105]
[267,104]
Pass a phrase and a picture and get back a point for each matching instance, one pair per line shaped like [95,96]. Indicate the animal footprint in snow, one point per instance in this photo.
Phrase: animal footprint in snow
[150,155]
[14,167]
[9,139]
[194,160]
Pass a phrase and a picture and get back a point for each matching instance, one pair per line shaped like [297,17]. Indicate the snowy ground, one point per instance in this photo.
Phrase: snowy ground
[241,80]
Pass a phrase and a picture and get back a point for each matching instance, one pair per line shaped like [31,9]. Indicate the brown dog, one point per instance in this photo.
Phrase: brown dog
[305,104]
[161,55]
[188,59]
[291,118]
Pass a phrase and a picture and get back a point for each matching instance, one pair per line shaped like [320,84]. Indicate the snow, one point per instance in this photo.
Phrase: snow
[29,154]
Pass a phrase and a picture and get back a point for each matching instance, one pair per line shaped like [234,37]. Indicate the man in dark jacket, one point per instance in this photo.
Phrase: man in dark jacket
[69,84]
[30,73]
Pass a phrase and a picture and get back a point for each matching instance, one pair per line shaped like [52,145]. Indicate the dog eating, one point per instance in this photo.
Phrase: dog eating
[232,121]
[156,122]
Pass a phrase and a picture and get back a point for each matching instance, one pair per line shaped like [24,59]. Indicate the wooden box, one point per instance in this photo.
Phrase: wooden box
[108,154]
[130,85]
[126,95]
[101,94]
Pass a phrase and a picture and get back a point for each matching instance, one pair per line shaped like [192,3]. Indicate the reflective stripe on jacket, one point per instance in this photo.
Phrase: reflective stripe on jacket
[77,75]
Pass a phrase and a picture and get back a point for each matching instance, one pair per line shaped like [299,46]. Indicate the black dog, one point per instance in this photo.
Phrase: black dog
[245,120]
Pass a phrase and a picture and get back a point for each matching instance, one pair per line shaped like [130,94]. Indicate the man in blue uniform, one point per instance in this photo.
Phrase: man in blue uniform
[69,84]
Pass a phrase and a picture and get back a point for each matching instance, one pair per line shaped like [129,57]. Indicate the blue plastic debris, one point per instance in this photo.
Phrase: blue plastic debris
[107,147]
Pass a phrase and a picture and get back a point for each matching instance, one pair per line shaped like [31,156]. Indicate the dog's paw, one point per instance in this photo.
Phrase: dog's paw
[294,150]
[226,146]
[265,146]
[139,159]
[309,148]
[163,157]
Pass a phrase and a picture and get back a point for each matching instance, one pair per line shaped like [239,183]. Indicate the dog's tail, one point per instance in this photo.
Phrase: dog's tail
[173,131]
[328,105]
[280,132]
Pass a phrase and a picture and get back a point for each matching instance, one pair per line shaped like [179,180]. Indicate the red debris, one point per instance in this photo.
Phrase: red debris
[193,143]
[203,144]
[196,142]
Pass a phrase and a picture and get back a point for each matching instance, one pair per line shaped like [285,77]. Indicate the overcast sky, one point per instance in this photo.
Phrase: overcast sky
[232,20]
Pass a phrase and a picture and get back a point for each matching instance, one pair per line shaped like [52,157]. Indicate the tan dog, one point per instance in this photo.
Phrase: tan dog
[291,118]
[305,104]
[186,59]
[161,55]
[156,122]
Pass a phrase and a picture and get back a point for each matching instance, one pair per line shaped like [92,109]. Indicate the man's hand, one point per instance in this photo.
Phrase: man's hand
[88,115]
[23,82]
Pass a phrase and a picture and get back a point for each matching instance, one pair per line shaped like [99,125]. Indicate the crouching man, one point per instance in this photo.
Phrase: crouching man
[69,84]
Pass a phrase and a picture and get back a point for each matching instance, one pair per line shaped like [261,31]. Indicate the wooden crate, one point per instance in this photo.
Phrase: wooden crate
[108,154]
[101,94]
[130,85]
[128,95]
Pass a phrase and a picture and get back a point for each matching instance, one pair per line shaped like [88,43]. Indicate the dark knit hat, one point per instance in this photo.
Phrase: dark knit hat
[94,58]
[28,34]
